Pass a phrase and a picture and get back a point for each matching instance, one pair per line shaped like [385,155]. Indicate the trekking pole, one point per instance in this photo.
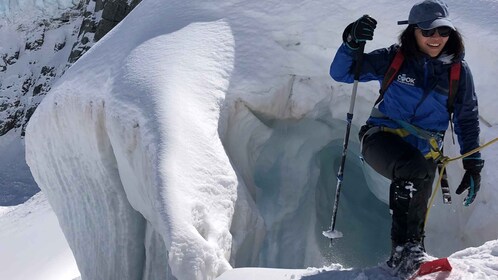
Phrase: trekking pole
[332,233]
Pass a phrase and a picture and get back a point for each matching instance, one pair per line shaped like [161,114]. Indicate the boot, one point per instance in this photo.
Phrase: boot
[396,254]
[412,257]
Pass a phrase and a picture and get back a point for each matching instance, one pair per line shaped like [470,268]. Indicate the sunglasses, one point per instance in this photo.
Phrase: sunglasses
[443,31]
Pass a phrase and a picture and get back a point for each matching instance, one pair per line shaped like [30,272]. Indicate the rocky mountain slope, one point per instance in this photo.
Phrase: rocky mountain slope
[36,49]
[38,53]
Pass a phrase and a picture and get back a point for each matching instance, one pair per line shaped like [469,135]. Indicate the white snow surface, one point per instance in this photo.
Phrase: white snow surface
[185,143]
[32,243]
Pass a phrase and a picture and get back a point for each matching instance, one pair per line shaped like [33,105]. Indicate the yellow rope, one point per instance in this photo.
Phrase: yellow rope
[445,161]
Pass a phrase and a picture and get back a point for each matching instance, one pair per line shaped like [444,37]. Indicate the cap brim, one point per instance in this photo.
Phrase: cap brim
[431,24]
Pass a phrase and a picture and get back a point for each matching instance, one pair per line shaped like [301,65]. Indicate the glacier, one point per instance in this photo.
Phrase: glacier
[204,135]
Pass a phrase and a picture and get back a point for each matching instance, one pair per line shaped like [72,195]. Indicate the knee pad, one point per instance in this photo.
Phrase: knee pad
[400,194]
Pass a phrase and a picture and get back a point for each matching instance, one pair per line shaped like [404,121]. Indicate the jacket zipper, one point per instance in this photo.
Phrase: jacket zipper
[427,89]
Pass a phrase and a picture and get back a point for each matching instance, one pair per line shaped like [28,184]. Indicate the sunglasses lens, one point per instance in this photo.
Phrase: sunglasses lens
[428,33]
[443,31]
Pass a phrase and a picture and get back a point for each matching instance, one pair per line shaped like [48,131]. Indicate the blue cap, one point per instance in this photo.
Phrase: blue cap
[429,14]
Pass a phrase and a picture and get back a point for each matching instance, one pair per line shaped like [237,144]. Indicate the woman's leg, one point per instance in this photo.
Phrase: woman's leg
[411,175]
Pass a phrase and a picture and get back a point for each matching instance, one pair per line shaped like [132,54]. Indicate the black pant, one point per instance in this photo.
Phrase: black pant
[411,176]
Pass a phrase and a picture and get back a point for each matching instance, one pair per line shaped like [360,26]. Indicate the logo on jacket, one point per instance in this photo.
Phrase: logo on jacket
[406,80]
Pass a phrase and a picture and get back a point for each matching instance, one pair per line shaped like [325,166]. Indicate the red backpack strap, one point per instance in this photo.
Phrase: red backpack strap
[454,81]
[390,74]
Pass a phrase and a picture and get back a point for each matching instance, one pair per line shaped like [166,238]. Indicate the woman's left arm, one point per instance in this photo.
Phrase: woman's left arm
[466,113]
[466,121]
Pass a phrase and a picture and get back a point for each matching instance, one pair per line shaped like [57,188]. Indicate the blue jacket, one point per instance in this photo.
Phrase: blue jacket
[418,94]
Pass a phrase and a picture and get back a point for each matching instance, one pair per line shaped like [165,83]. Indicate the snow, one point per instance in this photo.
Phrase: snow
[202,137]
[32,243]
[471,263]
[20,11]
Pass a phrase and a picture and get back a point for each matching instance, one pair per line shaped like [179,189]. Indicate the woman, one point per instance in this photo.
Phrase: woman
[416,102]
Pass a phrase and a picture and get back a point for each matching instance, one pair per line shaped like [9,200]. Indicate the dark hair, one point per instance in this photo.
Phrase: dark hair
[409,45]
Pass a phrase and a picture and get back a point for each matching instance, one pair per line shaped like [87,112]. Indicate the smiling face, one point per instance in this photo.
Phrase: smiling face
[433,45]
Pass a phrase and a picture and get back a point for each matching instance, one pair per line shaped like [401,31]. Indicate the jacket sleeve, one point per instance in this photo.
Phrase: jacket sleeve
[374,66]
[466,114]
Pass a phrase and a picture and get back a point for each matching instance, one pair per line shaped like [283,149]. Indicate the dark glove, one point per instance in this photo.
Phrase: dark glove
[471,179]
[359,31]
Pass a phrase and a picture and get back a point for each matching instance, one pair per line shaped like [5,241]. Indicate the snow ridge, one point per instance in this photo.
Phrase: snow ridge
[141,164]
